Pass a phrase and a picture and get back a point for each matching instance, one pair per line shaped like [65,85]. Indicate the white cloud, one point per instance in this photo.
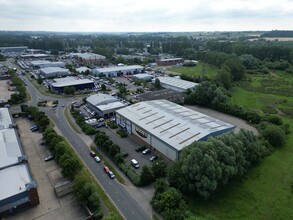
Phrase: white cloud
[152,15]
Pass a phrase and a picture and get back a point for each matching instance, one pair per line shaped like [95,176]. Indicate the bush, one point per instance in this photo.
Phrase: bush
[122,133]
[112,125]
[130,173]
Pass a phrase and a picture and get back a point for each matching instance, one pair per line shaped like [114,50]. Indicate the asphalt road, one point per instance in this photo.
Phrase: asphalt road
[128,206]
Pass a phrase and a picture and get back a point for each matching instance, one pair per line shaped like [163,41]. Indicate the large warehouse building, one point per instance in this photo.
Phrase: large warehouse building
[118,70]
[104,105]
[167,127]
[16,183]
[46,63]
[88,58]
[78,84]
[54,72]
[175,84]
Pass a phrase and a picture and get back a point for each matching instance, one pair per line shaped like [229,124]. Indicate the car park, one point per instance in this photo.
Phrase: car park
[49,158]
[111,174]
[146,151]
[92,153]
[152,158]
[97,159]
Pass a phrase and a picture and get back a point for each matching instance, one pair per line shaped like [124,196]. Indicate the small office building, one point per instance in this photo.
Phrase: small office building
[104,105]
[167,127]
[175,84]
[79,84]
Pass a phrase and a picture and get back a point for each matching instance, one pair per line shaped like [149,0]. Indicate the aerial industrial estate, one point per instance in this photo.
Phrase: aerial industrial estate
[144,115]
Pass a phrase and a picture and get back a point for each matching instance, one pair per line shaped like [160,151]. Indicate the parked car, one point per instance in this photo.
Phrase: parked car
[92,153]
[146,151]
[101,120]
[49,158]
[111,174]
[97,159]
[35,128]
[153,158]
[139,149]
[106,169]
[134,163]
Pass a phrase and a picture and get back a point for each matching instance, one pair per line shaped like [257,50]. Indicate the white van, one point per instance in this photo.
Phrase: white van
[134,163]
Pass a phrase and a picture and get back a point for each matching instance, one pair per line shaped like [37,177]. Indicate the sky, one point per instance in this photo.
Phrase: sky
[146,16]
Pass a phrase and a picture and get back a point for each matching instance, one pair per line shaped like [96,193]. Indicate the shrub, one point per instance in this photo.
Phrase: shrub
[122,133]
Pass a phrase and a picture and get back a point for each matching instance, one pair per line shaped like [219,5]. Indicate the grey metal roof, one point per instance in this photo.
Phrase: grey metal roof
[13,180]
[5,119]
[51,70]
[175,82]
[70,81]
[118,68]
[174,124]
[100,99]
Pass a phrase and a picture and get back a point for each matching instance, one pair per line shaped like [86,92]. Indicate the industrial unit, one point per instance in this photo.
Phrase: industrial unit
[17,185]
[54,72]
[170,61]
[176,84]
[167,94]
[78,84]
[46,63]
[88,58]
[143,76]
[118,70]
[167,127]
[104,105]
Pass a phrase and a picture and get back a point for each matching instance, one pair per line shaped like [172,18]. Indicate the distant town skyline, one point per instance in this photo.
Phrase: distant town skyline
[146,16]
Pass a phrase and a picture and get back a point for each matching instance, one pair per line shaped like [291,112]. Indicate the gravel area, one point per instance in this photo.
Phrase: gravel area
[224,117]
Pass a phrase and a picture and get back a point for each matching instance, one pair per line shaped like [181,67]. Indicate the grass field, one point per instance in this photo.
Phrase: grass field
[266,190]
[197,70]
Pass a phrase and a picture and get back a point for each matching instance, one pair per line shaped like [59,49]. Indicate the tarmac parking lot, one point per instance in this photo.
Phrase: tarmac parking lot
[46,174]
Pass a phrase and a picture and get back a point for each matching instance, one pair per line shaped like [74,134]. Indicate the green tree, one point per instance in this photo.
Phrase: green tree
[224,78]
[70,166]
[40,80]
[157,83]
[236,69]
[159,169]
[103,87]
[70,90]
[274,135]
[146,176]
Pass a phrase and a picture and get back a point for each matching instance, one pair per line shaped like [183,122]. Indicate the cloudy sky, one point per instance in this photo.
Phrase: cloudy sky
[146,16]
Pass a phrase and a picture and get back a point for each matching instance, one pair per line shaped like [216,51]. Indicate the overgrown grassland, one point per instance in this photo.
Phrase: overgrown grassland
[198,70]
[265,192]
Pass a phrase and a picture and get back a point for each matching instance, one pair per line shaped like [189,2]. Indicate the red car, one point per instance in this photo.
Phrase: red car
[106,169]
[92,153]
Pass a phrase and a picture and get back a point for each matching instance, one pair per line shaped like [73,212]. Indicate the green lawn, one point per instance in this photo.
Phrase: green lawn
[266,191]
